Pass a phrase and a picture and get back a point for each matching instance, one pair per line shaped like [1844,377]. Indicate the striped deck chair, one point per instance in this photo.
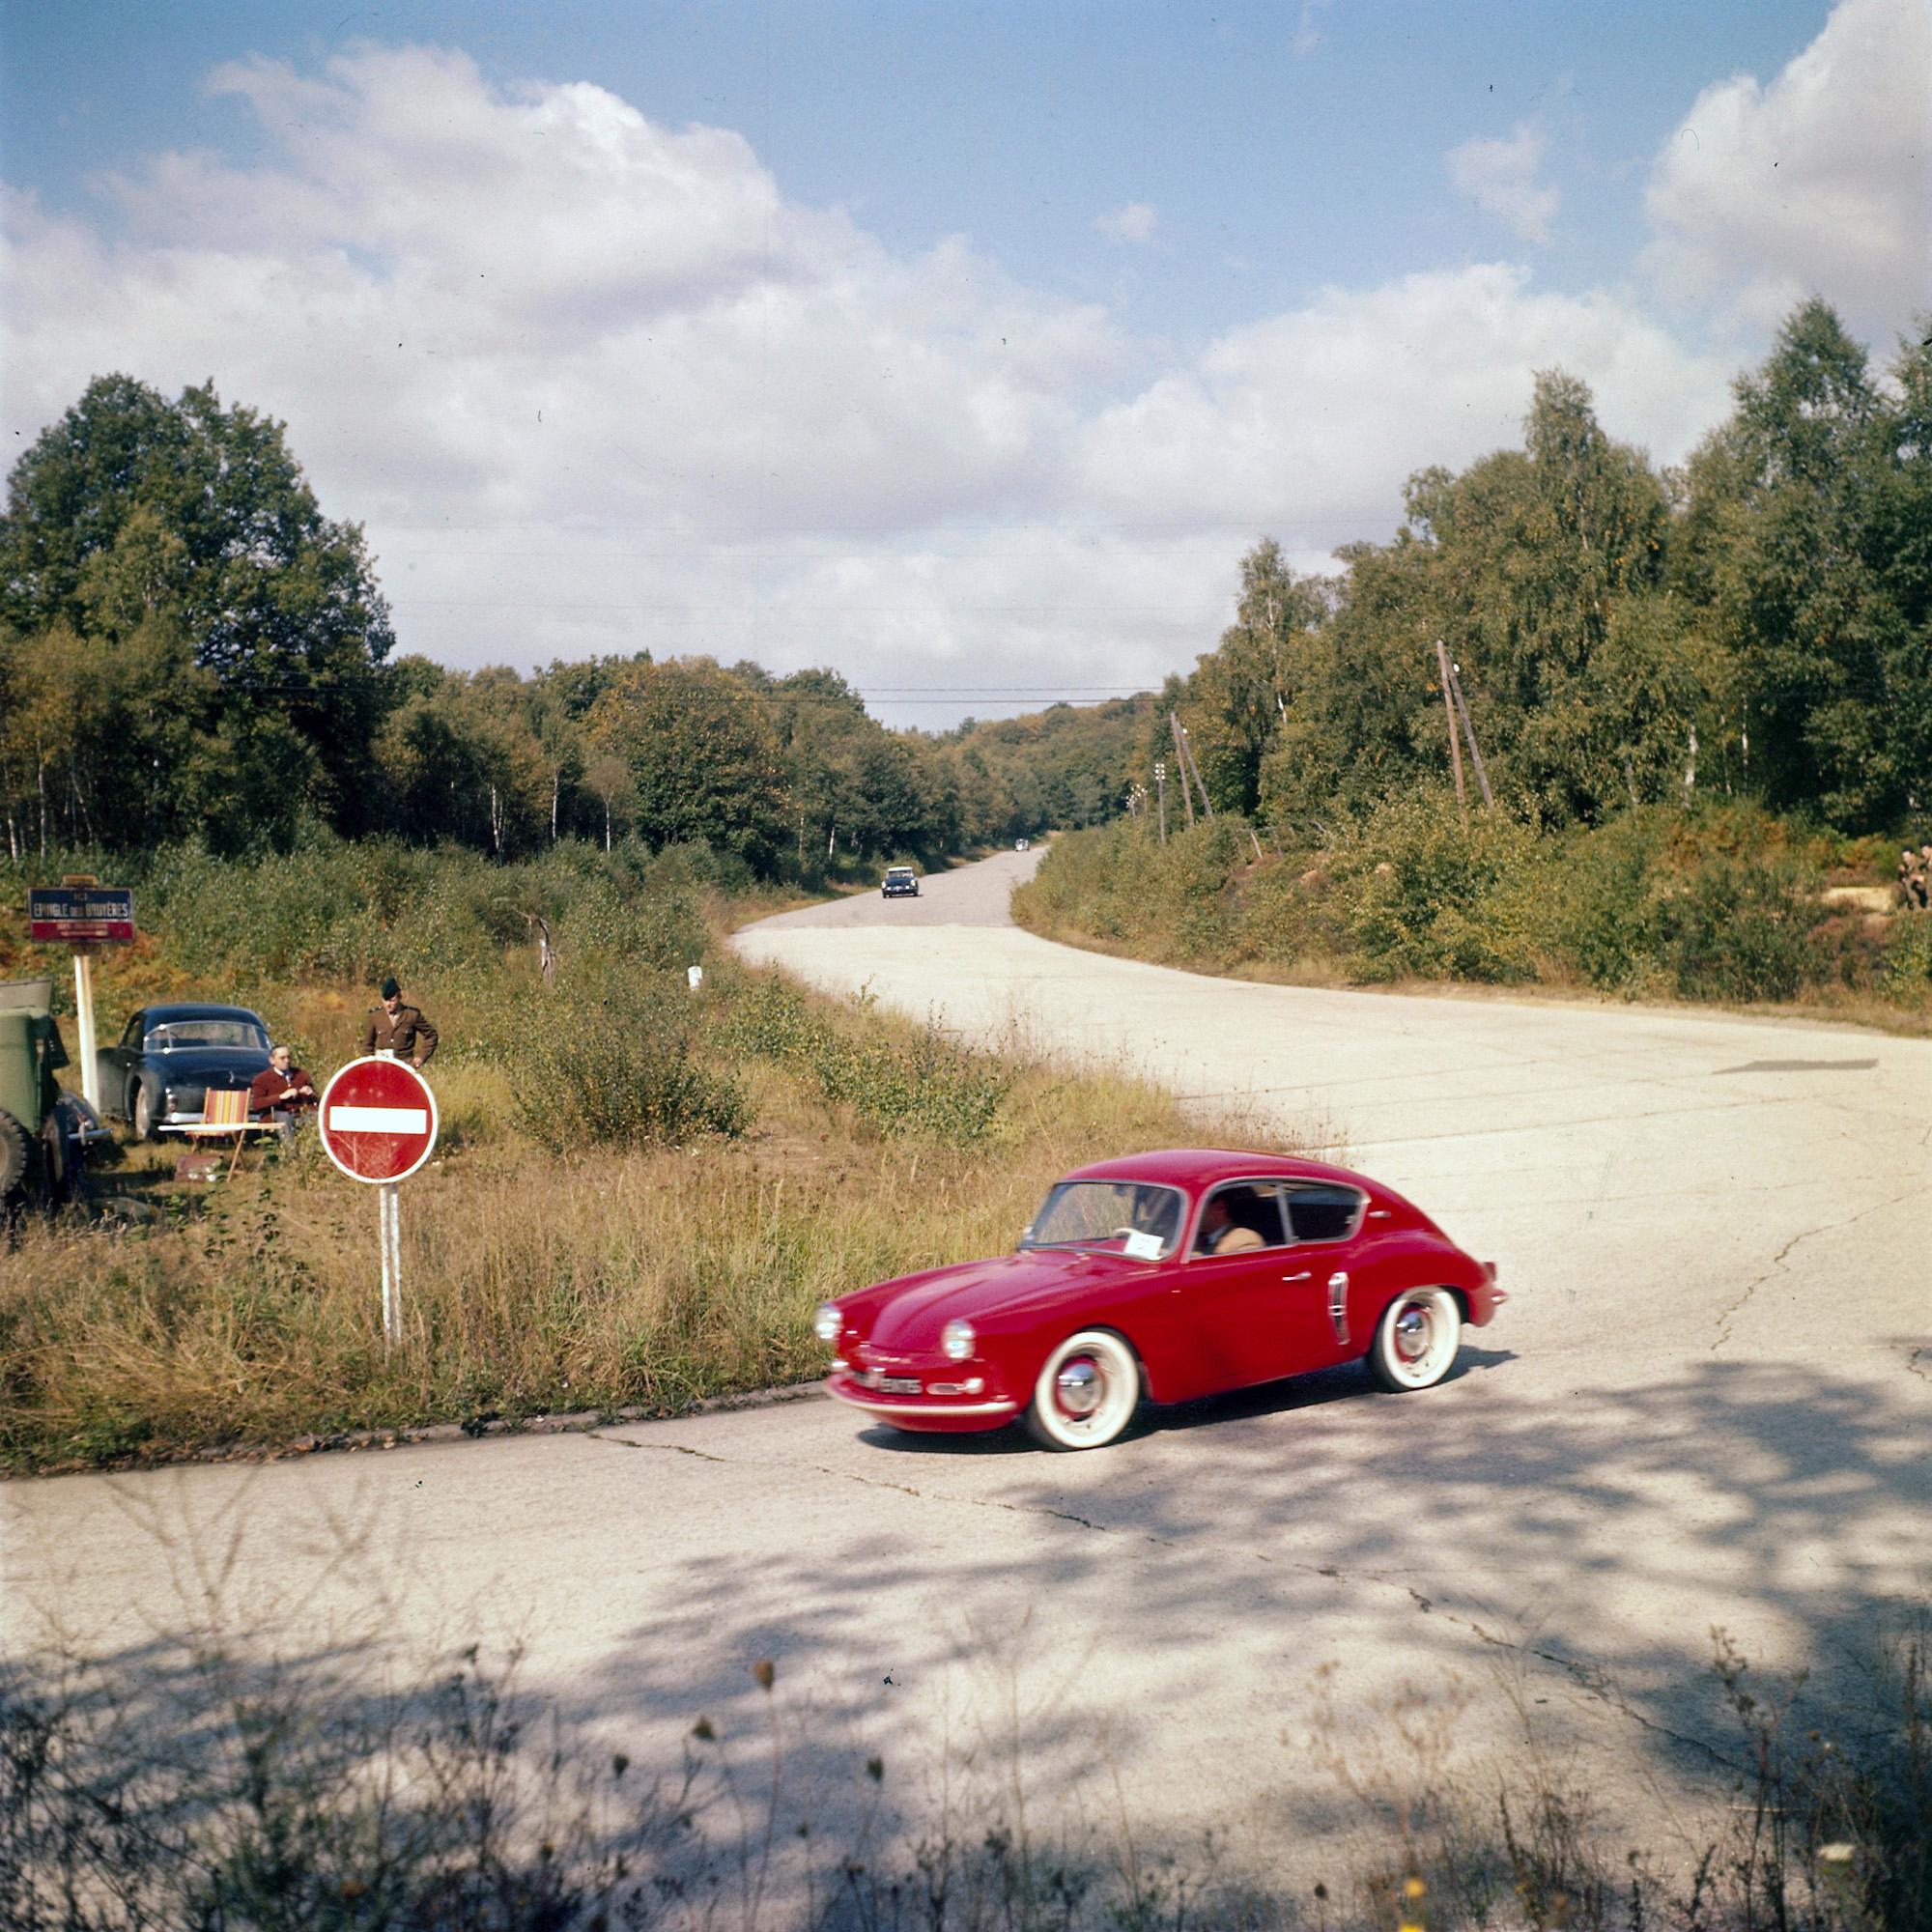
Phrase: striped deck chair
[225,1110]
[225,1107]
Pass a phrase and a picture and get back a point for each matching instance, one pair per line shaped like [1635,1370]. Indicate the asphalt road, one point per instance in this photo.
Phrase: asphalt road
[1707,1405]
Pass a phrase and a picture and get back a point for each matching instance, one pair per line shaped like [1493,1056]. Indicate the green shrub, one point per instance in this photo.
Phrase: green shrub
[1289,912]
[1741,930]
[1905,967]
[1606,905]
[1431,894]
[1180,902]
[922,1085]
[614,1062]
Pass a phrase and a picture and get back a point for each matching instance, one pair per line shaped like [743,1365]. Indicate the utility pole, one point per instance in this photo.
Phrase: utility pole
[1449,711]
[1180,763]
[1470,732]
[1194,765]
[1189,763]
[1160,785]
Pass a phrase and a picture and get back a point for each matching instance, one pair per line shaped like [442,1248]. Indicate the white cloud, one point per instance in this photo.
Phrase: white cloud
[595,384]
[1135,222]
[1819,182]
[1502,177]
[1307,424]
[1307,34]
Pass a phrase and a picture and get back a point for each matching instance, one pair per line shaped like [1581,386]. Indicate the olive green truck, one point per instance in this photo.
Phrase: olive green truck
[44,1129]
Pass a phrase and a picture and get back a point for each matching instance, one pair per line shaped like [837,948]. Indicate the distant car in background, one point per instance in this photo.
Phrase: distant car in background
[1020,844]
[900,882]
[158,1072]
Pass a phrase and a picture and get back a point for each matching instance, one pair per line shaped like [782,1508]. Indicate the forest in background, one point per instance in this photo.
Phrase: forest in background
[189,648]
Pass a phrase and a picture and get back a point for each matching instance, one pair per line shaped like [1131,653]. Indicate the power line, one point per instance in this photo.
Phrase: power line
[708,613]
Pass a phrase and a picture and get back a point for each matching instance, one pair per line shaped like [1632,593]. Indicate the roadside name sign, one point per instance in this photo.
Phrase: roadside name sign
[78,915]
[378,1119]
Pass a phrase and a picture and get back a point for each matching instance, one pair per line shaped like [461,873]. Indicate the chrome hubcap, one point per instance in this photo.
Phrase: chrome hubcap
[1079,1386]
[1412,1333]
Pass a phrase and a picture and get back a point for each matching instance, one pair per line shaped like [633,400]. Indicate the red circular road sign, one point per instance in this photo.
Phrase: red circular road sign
[378,1119]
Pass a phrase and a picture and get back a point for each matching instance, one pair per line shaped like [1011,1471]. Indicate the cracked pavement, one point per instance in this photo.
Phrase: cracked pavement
[1707,1403]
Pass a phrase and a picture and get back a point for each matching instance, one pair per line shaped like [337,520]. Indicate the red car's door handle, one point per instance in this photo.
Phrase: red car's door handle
[1303,1276]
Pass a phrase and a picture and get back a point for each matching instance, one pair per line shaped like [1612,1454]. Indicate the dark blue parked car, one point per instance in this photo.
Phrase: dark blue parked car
[168,1056]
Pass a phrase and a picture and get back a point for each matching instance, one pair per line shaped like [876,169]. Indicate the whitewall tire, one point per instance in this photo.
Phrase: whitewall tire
[1087,1393]
[1416,1339]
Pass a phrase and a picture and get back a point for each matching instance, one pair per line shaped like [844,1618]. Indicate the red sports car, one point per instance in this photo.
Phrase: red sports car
[1170,1276]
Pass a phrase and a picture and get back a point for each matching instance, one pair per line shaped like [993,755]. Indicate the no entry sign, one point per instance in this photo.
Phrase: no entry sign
[378,1120]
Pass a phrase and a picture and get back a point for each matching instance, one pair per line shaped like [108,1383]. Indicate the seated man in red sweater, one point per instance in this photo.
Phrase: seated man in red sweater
[280,1088]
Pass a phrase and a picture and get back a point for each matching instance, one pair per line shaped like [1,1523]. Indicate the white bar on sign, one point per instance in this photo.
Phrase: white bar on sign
[378,1120]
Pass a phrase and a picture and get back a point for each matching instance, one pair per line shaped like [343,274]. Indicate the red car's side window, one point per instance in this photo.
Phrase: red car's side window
[1241,1218]
[1322,1211]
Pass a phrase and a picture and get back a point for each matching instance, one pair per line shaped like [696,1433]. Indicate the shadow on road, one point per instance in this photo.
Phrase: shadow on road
[1220,1556]
[1790,1505]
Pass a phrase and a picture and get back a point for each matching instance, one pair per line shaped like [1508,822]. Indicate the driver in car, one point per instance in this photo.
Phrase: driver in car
[1221,1234]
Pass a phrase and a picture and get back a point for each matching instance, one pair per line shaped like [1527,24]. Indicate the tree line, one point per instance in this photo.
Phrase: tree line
[1755,625]
[190,648]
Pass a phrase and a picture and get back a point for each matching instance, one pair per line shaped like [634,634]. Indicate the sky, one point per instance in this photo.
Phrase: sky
[963,348]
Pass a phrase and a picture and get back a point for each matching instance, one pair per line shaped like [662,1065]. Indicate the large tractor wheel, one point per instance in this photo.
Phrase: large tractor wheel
[15,1154]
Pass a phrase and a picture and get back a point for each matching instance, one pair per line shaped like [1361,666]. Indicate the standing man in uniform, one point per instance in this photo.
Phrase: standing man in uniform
[398,1030]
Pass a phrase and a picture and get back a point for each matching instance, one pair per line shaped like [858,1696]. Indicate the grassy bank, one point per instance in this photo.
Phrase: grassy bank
[638,1196]
[1725,905]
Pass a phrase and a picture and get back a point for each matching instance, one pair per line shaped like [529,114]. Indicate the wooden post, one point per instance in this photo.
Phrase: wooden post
[1449,711]
[1470,731]
[1189,763]
[1160,781]
[1180,762]
[1194,763]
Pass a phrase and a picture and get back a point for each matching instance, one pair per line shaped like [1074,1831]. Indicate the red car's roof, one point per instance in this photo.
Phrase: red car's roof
[1202,1166]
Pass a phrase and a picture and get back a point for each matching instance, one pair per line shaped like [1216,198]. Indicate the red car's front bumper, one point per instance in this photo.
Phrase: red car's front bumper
[985,1408]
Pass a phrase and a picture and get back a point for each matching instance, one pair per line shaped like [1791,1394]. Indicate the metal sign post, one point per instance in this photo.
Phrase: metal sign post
[378,1121]
[83,1019]
[390,1229]
[81,913]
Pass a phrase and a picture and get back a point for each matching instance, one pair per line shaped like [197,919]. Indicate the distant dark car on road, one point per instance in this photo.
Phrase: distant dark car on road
[900,882]
[168,1056]
[1165,1276]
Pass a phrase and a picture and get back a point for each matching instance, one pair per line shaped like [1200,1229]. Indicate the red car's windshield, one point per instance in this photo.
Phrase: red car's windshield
[1138,1217]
